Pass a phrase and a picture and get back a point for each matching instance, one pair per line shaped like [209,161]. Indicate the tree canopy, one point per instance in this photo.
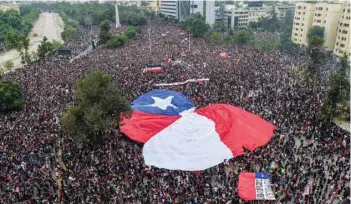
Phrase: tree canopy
[47,47]
[98,102]
[10,96]
[336,102]
[243,36]
[14,24]
[69,29]
[196,25]
[315,45]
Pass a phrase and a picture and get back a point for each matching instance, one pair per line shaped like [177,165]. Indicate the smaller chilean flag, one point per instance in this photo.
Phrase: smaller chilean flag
[255,186]
[154,68]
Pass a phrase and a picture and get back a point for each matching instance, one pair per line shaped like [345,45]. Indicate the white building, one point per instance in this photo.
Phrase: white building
[281,10]
[182,10]
[256,14]
[240,16]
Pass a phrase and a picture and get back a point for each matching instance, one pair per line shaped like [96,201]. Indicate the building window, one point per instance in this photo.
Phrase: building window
[326,9]
[344,32]
[302,24]
[346,25]
[343,38]
[301,29]
[337,44]
[193,6]
[303,13]
[318,21]
[304,7]
[342,45]
[348,10]
[325,21]
[299,13]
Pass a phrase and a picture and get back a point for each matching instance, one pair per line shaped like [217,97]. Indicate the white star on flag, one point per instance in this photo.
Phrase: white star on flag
[162,103]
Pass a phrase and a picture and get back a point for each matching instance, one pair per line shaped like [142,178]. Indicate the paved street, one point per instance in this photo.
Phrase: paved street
[49,25]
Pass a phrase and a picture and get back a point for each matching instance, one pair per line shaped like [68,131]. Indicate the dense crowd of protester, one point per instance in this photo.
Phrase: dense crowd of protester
[308,152]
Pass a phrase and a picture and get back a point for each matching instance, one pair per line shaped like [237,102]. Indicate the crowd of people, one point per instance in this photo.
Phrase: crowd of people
[311,156]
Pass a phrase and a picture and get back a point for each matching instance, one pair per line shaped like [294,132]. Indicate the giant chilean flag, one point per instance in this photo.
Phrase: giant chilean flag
[255,186]
[178,137]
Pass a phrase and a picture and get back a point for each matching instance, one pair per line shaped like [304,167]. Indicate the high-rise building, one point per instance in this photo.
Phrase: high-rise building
[342,44]
[327,16]
[303,20]
[333,17]
[182,10]
[169,8]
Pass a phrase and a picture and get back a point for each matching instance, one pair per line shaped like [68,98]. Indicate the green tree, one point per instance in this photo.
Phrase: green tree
[315,46]
[344,64]
[130,32]
[105,34]
[56,45]
[105,26]
[98,102]
[216,37]
[219,26]
[243,36]
[267,44]
[116,41]
[69,29]
[12,39]
[316,31]
[286,44]
[45,48]
[197,26]
[10,96]
[8,65]
[338,93]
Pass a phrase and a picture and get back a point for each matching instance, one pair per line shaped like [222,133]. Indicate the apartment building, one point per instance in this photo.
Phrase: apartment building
[327,16]
[303,19]
[235,17]
[333,16]
[342,44]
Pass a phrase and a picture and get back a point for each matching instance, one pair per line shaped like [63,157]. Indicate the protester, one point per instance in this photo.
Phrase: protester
[307,152]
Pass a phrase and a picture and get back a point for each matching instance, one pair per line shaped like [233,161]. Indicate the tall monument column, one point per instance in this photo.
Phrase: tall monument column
[117,16]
